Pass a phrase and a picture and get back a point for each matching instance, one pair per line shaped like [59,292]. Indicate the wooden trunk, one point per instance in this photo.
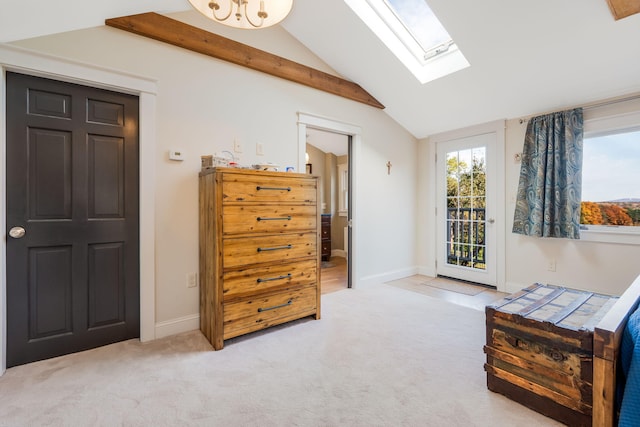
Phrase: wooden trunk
[259,251]
[540,349]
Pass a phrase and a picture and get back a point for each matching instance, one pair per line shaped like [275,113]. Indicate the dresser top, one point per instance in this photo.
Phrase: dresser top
[244,171]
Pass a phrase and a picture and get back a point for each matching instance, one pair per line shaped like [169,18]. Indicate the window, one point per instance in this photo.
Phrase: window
[343,189]
[416,26]
[411,30]
[610,176]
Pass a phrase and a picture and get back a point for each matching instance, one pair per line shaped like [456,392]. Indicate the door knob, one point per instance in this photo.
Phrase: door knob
[491,220]
[17,232]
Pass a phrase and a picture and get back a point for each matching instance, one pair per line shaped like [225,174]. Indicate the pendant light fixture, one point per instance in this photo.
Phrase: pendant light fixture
[246,14]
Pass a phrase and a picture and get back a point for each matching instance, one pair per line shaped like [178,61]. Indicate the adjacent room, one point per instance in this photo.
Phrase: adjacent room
[443,197]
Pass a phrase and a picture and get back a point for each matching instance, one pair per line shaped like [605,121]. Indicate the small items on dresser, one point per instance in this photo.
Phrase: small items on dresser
[259,250]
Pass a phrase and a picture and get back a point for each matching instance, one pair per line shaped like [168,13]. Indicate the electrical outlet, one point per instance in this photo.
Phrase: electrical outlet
[551,266]
[177,155]
[237,147]
[259,149]
[192,280]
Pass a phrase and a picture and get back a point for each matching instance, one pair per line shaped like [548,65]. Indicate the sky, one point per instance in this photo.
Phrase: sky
[422,22]
[611,167]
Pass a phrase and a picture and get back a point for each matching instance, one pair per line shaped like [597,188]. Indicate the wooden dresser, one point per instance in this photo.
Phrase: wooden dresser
[259,251]
[325,237]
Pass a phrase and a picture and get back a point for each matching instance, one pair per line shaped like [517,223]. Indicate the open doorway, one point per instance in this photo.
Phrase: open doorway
[347,137]
[327,156]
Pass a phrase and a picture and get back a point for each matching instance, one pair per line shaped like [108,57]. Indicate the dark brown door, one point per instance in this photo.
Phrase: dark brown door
[72,186]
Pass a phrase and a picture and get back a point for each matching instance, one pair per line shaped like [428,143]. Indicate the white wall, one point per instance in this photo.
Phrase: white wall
[203,104]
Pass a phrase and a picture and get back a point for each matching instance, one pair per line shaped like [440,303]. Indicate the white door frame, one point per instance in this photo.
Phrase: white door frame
[25,61]
[497,127]
[355,132]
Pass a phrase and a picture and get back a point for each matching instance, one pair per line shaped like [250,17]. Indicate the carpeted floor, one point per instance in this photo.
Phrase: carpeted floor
[380,356]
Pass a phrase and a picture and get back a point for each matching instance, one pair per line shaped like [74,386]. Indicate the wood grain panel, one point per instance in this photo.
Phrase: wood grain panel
[562,360]
[541,404]
[538,389]
[265,189]
[251,281]
[265,311]
[557,380]
[179,34]
[623,8]
[268,219]
[268,249]
[607,336]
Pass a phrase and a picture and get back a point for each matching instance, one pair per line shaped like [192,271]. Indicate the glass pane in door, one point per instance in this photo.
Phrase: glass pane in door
[466,204]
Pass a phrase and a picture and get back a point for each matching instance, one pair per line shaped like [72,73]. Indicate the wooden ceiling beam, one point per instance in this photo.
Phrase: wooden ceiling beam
[167,30]
[623,8]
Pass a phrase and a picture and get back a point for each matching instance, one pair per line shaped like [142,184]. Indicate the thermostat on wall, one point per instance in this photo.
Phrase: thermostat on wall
[176,155]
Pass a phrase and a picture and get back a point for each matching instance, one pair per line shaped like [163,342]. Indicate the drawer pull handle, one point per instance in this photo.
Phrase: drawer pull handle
[273,188]
[287,276]
[275,248]
[260,310]
[284,218]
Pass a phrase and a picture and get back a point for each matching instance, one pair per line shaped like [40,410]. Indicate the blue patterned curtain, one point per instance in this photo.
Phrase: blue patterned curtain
[549,192]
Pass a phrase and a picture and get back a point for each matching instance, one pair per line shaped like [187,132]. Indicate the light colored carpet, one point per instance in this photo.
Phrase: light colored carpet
[380,356]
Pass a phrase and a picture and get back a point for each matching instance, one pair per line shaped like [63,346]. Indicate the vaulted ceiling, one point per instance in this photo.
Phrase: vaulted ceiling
[526,57]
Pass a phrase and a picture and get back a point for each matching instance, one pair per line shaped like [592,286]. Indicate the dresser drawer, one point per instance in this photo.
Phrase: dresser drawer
[261,312]
[251,281]
[256,188]
[268,219]
[273,249]
[326,233]
[250,188]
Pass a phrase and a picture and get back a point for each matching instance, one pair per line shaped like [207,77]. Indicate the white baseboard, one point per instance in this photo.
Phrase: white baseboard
[427,271]
[177,326]
[338,252]
[512,287]
[387,277]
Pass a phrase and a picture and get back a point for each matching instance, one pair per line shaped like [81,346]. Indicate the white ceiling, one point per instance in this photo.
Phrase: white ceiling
[328,142]
[526,57]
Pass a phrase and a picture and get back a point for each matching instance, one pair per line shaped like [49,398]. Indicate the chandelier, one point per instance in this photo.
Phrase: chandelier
[247,14]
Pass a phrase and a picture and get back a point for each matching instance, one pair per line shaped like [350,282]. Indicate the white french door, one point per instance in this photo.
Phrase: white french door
[466,208]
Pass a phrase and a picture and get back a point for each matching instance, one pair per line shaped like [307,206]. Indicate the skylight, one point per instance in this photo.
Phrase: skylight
[411,30]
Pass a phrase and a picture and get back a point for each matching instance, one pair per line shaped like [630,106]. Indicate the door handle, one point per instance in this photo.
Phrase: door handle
[491,220]
[17,232]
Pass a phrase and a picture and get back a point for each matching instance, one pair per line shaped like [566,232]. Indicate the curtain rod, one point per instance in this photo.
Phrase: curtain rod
[602,103]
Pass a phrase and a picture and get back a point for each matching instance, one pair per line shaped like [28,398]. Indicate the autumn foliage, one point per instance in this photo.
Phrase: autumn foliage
[605,214]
